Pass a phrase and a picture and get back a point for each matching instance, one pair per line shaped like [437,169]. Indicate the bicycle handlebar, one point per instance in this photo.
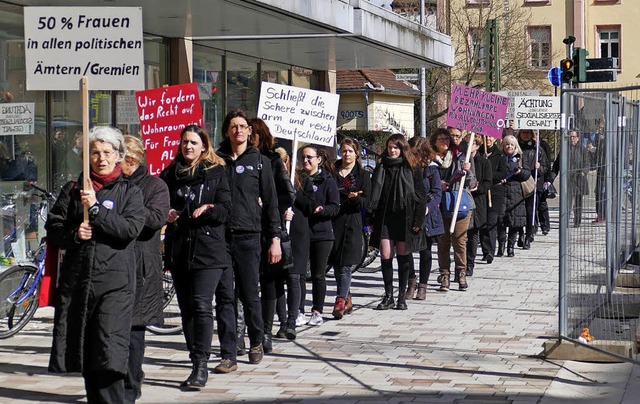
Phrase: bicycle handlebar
[46,193]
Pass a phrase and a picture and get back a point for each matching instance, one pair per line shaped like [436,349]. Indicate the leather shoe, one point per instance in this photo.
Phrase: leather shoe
[489,259]
[256,354]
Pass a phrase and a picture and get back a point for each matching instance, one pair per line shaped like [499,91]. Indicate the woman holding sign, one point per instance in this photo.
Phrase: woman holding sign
[397,210]
[96,289]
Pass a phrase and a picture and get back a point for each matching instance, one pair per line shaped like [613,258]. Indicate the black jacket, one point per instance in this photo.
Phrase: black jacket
[251,183]
[515,210]
[149,300]
[97,278]
[484,176]
[347,225]
[319,190]
[193,243]
[499,171]
[433,223]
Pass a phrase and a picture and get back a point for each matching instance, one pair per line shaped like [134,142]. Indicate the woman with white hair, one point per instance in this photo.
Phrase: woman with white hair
[97,277]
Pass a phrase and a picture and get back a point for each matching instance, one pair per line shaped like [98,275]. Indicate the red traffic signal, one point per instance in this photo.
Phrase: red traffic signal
[566,65]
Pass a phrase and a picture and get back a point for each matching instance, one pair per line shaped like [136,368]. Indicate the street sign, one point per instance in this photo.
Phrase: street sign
[555,76]
[407,77]
[537,112]
[601,76]
[602,63]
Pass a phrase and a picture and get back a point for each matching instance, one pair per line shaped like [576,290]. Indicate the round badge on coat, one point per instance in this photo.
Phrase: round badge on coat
[240,169]
[315,188]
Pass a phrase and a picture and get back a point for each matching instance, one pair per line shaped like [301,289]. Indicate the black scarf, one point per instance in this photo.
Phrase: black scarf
[401,184]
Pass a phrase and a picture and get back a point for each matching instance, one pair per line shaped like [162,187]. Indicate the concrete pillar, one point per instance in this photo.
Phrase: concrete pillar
[181,61]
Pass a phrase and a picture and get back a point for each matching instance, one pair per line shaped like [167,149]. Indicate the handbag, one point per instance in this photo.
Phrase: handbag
[449,204]
[286,261]
[528,187]
[551,191]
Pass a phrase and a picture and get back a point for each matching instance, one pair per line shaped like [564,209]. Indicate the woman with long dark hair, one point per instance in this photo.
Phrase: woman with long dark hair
[397,209]
[197,253]
[354,185]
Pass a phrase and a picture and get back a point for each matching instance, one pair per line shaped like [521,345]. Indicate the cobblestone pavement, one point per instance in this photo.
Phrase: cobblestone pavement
[478,346]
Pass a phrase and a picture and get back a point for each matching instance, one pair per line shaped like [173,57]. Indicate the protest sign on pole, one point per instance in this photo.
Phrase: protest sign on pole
[163,113]
[17,118]
[537,113]
[64,44]
[511,94]
[477,111]
[292,112]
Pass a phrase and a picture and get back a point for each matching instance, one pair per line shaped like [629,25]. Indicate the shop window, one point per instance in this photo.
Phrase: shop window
[243,85]
[207,72]
[274,73]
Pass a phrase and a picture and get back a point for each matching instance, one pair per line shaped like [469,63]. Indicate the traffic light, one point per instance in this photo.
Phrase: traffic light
[566,65]
[580,64]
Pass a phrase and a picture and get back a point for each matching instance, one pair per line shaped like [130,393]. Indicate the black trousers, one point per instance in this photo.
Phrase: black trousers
[575,203]
[195,289]
[133,379]
[426,262]
[543,212]
[245,252]
[289,300]
[473,239]
[318,258]
[104,387]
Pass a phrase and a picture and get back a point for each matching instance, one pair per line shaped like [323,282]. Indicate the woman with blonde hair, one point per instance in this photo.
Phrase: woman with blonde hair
[196,250]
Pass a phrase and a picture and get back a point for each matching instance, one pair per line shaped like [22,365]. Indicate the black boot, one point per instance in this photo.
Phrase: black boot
[404,267]
[500,252]
[199,373]
[510,252]
[268,311]
[387,275]
[240,330]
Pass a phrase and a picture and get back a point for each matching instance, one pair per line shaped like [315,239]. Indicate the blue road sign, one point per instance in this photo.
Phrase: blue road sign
[555,76]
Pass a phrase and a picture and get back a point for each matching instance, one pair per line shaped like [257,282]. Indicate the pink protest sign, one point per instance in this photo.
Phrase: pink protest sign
[477,111]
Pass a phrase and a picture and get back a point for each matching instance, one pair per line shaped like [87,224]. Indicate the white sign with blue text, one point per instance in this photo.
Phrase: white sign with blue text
[63,44]
[308,115]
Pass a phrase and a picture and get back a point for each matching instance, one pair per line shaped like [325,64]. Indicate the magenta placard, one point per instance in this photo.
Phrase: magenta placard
[164,112]
[477,110]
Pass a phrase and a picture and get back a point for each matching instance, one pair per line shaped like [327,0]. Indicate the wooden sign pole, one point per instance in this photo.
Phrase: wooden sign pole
[84,89]
[461,188]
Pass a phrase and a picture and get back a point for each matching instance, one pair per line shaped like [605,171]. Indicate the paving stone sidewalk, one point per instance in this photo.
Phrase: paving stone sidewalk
[478,346]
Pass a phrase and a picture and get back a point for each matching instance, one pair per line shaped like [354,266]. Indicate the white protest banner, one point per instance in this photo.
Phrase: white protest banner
[537,113]
[308,115]
[63,44]
[17,118]
[516,93]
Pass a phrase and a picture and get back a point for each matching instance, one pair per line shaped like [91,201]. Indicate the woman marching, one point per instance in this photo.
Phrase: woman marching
[92,323]
[515,211]
[397,209]
[354,185]
[318,200]
[197,252]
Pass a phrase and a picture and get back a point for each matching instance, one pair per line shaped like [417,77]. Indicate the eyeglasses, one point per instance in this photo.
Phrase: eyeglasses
[308,157]
[107,154]
[239,127]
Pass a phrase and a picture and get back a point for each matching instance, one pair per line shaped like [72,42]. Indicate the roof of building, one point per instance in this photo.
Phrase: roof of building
[372,80]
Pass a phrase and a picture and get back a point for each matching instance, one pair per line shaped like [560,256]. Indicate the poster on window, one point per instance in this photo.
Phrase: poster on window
[163,113]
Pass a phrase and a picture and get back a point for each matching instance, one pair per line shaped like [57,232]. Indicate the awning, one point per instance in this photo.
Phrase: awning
[320,35]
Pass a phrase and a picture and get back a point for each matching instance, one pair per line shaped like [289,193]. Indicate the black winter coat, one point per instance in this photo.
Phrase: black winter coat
[315,191]
[579,164]
[149,299]
[347,225]
[413,215]
[515,210]
[251,183]
[484,176]
[499,170]
[284,188]
[529,161]
[95,298]
[194,243]
[433,223]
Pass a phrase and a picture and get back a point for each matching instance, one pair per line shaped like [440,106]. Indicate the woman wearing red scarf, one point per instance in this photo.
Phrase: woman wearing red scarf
[97,276]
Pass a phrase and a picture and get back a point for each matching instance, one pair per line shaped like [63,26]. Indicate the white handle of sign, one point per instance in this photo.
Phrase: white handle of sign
[294,162]
[535,181]
[461,189]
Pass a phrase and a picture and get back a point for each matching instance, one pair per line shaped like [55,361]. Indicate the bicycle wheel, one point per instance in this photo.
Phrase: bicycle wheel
[15,283]
[369,255]
[172,321]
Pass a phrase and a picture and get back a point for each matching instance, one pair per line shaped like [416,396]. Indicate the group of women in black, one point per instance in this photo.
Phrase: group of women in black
[226,213]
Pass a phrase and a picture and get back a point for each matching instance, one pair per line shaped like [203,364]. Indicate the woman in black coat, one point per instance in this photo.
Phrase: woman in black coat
[318,200]
[149,294]
[96,288]
[197,253]
[535,159]
[515,212]
[272,276]
[484,177]
[354,185]
[397,210]
[495,212]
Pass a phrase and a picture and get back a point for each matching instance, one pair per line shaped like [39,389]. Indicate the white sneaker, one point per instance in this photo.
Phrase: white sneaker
[301,320]
[316,319]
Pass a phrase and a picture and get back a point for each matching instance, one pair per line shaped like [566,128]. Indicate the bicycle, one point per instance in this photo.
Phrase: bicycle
[172,322]
[20,284]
